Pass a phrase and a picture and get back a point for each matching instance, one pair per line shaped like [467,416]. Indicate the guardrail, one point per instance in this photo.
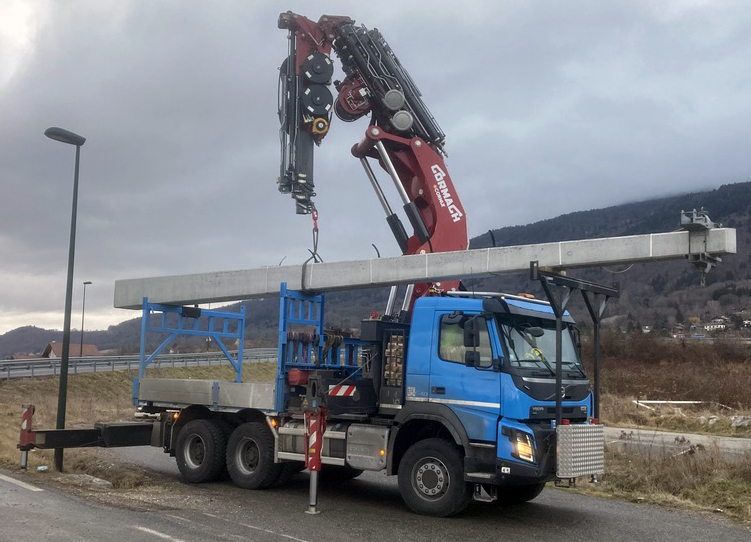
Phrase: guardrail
[30,368]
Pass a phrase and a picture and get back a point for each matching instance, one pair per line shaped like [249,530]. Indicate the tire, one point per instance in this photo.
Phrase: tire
[335,473]
[226,428]
[431,479]
[200,451]
[519,494]
[250,457]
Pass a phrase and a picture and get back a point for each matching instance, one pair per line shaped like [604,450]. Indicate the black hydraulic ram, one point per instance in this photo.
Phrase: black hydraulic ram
[366,53]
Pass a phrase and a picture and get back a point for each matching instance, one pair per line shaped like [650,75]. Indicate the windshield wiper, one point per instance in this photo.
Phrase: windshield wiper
[576,366]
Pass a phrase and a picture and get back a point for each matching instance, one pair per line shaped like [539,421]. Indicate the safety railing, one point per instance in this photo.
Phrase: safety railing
[30,368]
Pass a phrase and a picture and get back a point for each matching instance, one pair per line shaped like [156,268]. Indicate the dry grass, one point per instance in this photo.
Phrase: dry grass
[646,367]
[710,419]
[91,398]
[697,479]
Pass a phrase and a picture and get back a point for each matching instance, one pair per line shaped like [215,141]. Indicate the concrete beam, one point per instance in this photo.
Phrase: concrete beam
[235,285]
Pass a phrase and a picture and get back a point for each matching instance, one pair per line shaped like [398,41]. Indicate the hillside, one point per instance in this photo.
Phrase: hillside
[653,294]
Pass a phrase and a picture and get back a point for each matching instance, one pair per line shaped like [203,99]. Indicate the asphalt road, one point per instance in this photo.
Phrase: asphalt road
[367,508]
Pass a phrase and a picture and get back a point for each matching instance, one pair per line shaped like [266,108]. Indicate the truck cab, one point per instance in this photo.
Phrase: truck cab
[485,365]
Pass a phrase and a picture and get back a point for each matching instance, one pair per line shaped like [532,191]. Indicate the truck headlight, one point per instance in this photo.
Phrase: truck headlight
[523,447]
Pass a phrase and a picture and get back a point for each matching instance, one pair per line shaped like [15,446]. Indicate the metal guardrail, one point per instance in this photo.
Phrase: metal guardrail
[30,368]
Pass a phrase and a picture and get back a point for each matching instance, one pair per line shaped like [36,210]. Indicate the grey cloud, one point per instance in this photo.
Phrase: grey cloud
[548,107]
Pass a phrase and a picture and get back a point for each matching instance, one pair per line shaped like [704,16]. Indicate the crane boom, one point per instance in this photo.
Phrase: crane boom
[403,136]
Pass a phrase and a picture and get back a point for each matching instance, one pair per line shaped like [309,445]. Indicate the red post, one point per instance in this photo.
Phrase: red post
[27,440]
[315,425]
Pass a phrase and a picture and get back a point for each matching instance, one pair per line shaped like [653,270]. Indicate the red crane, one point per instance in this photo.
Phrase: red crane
[403,137]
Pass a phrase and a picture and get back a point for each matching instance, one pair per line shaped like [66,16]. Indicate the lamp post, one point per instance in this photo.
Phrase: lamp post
[83,315]
[64,136]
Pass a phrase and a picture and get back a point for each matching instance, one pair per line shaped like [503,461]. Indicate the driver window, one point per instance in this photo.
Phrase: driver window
[451,341]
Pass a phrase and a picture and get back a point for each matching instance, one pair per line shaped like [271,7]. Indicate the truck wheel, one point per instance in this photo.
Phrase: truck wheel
[431,479]
[250,457]
[200,451]
[519,494]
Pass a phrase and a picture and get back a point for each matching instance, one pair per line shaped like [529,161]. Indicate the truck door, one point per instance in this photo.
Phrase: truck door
[473,393]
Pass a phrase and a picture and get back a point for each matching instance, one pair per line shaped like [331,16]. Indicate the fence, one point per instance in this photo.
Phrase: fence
[30,368]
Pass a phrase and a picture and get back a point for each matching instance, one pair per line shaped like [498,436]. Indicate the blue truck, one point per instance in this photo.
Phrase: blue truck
[459,403]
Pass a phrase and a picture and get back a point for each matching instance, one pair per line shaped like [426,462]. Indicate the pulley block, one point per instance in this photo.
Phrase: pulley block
[317,100]
[318,68]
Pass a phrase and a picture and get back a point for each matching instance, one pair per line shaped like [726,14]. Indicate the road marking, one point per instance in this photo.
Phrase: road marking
[19,483]
[160,535]
[180,518]
[268,531]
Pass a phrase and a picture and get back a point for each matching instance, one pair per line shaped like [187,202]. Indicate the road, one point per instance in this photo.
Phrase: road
[368,508]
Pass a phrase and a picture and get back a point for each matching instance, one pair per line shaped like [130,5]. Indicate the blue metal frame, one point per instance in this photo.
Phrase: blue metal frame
[308,350]
[191,329]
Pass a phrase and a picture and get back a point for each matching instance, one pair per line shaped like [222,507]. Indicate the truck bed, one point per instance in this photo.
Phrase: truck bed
[215,394]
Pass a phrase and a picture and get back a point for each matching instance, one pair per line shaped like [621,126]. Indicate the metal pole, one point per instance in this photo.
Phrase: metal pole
[313,494]
[558,367]
[596,361]
[62,394]
[83,313]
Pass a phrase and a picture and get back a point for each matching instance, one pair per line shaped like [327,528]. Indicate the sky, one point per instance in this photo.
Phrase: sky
[548,107]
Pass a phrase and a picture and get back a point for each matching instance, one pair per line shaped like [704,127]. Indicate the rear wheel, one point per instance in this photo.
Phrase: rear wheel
[519,494]
[250,456]
[431,478]
[200,451]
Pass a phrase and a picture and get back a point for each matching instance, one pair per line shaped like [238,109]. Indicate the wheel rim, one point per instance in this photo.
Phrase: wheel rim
[195,451]
[247,456]
[430,478]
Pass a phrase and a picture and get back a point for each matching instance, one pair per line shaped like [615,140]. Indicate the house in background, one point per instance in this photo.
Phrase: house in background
[54,350]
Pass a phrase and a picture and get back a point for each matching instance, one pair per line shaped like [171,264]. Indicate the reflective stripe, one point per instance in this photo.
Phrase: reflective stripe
[552,381]
[454,402]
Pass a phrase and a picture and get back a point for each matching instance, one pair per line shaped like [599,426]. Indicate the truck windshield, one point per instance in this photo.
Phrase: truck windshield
[530,345]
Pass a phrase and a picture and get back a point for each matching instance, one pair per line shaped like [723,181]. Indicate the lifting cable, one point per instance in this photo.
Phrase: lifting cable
[314,252]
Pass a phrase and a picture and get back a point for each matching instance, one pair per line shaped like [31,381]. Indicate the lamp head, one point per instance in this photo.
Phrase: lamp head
[65,136]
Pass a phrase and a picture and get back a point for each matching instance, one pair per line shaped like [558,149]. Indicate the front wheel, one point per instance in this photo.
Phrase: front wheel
[431,479]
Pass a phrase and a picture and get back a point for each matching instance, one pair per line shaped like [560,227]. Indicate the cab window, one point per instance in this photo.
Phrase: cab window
[451,342]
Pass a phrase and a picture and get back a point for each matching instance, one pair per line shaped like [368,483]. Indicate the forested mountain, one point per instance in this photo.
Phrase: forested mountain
[656,294]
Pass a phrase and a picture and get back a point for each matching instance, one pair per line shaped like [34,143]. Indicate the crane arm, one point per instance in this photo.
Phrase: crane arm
[403,136]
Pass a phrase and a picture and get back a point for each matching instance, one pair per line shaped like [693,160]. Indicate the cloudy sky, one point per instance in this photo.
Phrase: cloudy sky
[549,107]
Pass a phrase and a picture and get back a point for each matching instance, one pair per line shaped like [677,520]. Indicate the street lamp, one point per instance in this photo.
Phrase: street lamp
[83,314]
[58,134]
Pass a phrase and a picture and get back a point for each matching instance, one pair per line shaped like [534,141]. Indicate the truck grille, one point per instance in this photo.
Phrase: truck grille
[581,450]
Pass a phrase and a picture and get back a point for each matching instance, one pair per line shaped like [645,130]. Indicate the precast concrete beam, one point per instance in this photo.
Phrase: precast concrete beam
[223,286]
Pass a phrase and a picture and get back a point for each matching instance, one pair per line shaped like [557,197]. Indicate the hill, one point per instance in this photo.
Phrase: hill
[653,294]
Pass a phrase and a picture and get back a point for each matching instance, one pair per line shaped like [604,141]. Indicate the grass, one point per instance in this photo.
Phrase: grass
[645,367]
[698,479]
[91,398]
[710,419]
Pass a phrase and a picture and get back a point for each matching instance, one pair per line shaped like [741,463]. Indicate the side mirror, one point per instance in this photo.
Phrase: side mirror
[471,358]
[472,332]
